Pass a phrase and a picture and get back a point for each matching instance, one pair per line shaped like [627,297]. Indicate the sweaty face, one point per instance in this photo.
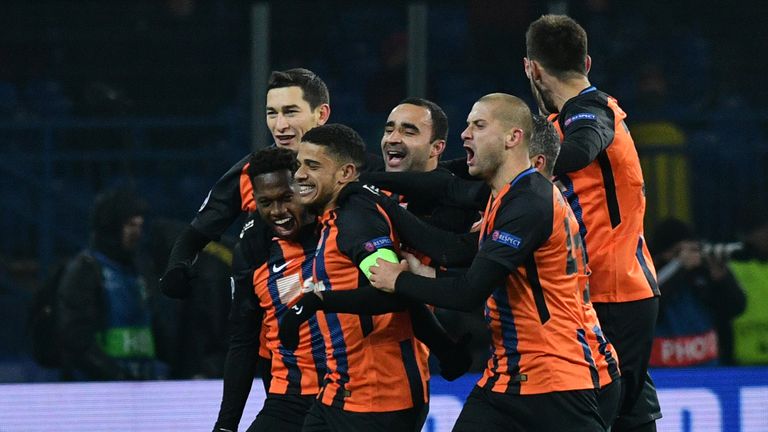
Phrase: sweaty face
[277,203]
[483,141]
[407,140]
[289,116]
[131,234]
[317,176]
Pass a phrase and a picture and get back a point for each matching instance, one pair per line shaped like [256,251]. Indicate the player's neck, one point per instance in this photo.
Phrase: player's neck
[569,89]
[507,172]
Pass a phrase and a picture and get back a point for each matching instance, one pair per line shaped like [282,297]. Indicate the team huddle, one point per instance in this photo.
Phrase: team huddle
[345,254]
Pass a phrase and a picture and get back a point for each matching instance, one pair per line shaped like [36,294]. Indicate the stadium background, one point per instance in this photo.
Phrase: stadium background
[159,95]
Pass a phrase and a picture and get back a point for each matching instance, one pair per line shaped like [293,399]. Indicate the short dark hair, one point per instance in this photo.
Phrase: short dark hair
[272,159]
[315,90]
[439,119]
[559,43]
[342,142]
[545,141]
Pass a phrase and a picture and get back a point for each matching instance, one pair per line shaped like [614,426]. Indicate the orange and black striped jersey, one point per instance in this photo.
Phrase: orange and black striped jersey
[229,197]
[279,268]
[536,319]
[374,362]
[607,195]
[526,273]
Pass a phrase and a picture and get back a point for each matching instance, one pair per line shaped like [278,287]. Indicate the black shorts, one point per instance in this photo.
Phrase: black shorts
[282,413]
[608,400]
[324,418]
[630,327]
[572,411]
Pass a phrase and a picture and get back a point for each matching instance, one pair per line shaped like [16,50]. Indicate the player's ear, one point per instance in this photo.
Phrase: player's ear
[438,146]
[535,70]
[587,63]
[323,113]
[347,173]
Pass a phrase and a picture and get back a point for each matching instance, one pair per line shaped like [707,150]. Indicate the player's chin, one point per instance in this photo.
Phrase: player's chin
[286,228]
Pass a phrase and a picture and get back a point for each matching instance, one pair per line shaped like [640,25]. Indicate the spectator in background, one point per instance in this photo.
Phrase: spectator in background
[104,318]
[699,298]
[750,267]
[192,333]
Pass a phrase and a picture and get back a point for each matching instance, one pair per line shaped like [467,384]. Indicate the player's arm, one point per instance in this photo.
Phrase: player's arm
[588,129]
[443,247]
[245,319]
[438,185]
[458,167]
[521,227]
[220,209]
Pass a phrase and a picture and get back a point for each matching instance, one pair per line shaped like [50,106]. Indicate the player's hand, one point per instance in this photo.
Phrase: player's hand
[415,266]
[458,360]
[294,317]
[176,282]
[384,274]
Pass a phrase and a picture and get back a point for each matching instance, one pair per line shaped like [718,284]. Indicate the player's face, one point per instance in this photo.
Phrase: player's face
[483,141]
[131,234]
[407,141]
[317,176]
[289,116]
[277,202]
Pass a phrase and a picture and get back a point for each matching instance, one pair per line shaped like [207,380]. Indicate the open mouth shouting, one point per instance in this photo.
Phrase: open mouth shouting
[394,156]
[470,154]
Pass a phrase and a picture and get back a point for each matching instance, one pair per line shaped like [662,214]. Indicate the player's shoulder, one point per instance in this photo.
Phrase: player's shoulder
[358,198]
[531,194]
[255,231]
[588,106]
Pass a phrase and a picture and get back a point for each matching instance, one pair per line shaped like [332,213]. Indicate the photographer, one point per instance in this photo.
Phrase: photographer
[750,267]
[699,298]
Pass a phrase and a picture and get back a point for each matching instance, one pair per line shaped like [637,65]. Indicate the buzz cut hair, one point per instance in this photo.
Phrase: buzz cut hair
[341,141]
[544,141]
[511,111]
[559,44]
[314,89]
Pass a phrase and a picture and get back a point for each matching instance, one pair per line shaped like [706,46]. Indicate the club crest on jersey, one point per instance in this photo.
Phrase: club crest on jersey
[579,116]
[377,243]
[506,238]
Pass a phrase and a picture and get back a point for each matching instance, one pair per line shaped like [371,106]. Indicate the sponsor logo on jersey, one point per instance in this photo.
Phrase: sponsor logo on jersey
[506,238]
[377,243]
[205,201]
[579,116]
[371,188]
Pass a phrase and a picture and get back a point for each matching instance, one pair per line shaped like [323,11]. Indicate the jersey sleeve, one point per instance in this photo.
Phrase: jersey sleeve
[588,129]
[364,233]
[223,205]
[521,226]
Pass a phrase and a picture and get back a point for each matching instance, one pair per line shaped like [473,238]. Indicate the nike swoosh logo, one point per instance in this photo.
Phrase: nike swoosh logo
[276,268]
[297,309]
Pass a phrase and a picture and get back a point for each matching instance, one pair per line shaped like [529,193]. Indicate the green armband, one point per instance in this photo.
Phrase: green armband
[370,260]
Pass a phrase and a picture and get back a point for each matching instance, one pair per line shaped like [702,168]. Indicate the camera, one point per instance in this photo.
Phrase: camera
[721,251]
